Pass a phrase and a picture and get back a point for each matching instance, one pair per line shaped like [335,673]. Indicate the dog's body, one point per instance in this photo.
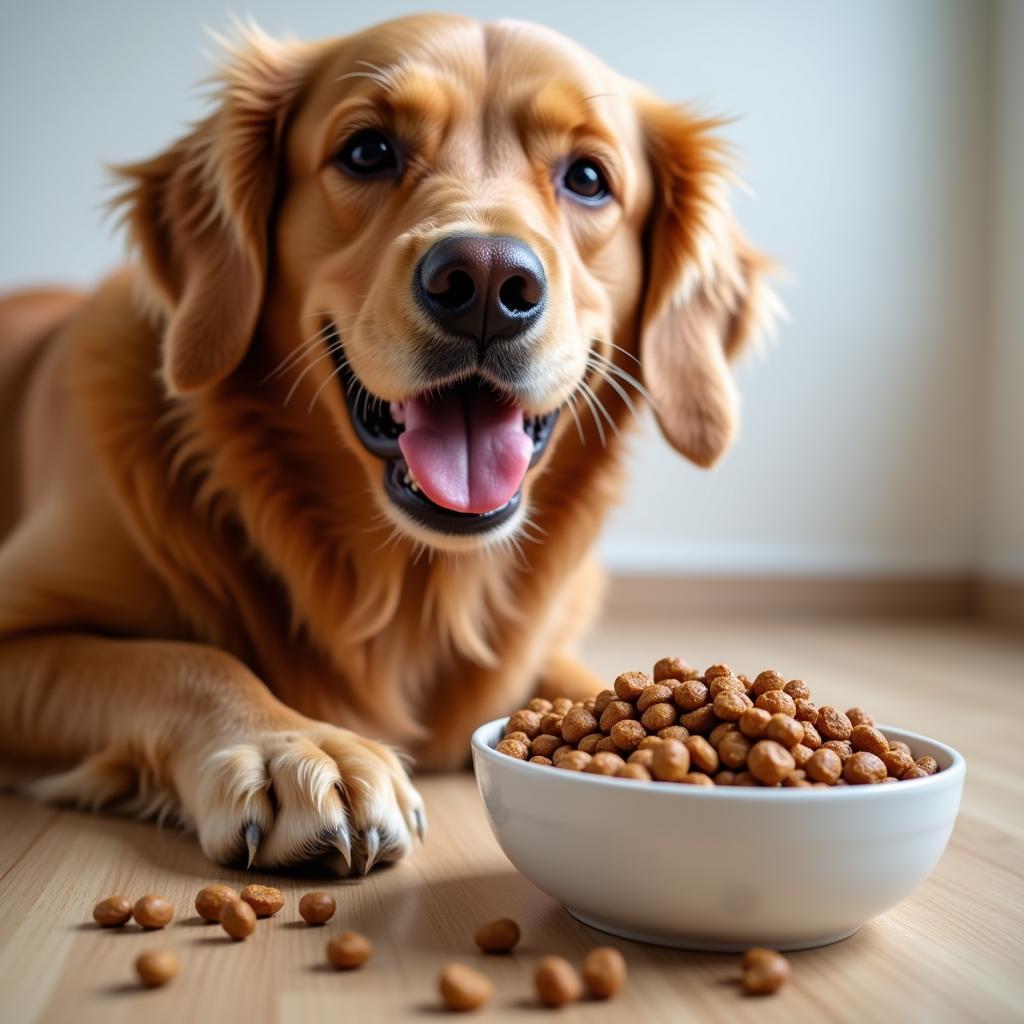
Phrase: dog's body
[207,597]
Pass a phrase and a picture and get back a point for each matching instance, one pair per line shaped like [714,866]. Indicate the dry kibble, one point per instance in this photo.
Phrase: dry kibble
[673,732]
[896,762]
[541,760]
[776,702]
[900,745]
[539,704]
[497,936]
[112,912]
[734,750]
[696,779]
[513,748]
[844,748]
[551,725]
[317,907]
[577,723]
[812,738]
[156,967]
[617,711]
[153,912]
[863,768]
[729,705]
[770,762]
[557,982]
[574,761]
[824,765]
[798,690]
[764,972]
[643,756]
[753,722]
[720,684]
[348,951]
[690,695]
[744,778]
[719,669]
[588,704]
[927,764]
[833,724]
[630,685]
[560,705]
[212,899]
[238,919]
[785,730]
[768,680]
[606,745]
[671,761]
[604,763]
[526,721]
[703,755]
[806,710]
[562,751]
[658,716]
[801,754]
[604,972]
[627,734]
[463,989]
[858,716]
[701,720]
[914,772]
[672,668]
[633,771]
[867,737]
[519,737]
[544,745]
[720,732]
[602,700]
[657,693]
[264,899]
[724,778]
[589,743]
[653,741]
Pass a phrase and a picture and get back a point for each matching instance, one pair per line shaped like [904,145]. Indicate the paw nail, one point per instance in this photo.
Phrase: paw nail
[253,835]
[421,823]
[340,840]
[372,843]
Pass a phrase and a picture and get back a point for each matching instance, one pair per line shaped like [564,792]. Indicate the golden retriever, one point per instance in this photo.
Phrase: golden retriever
[319,475]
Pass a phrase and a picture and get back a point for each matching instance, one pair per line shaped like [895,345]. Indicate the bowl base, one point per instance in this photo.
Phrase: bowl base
[699,945]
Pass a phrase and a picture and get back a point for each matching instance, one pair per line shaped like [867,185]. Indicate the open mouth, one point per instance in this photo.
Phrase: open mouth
[454,458]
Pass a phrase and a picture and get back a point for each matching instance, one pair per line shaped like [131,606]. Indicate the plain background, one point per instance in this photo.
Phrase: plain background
[884,145]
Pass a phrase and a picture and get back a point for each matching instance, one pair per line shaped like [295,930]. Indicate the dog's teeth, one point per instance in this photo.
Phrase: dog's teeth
[415,486]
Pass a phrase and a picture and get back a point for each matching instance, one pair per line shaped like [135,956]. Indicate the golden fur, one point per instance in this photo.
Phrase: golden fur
[206,600]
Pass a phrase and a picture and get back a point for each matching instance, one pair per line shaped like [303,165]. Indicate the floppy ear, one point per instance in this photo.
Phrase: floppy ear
[705,296]
[199,213]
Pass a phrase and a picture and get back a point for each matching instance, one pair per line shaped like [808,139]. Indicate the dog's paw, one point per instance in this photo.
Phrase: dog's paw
[318,793]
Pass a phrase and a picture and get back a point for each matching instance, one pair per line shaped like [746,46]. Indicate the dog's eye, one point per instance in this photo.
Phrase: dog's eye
[585,180]
[369,153]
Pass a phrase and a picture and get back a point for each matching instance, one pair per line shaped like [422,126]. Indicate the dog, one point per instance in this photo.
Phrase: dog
[316,478]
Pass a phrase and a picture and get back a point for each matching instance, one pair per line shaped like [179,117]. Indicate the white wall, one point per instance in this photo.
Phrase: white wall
[1004,550]
[864,134]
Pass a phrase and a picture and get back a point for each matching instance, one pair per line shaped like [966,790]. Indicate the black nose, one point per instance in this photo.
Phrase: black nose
[482,286]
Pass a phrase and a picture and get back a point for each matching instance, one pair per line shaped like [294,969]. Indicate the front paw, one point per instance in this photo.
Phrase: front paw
[318,792]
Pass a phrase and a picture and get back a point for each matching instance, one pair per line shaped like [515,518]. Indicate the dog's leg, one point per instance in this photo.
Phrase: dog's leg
[565,676]
[187,730]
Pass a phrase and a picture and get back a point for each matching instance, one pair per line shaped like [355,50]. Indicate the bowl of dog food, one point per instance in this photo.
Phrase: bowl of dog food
[711,811]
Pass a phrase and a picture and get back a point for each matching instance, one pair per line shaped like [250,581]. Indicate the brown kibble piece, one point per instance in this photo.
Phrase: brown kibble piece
[720,684]
[844,748]
[627,734]
[701,720]
[539,704]
[806,710]
[577,723]
[927,764]
[812,738]
[604,763]
[617,711]
[833,724]
[348,951]
[690,695]
[785,730]
[153,912]
[703,755]
[734,750]
[857,716]
[798,690]
[914,772]
[238,919]
[824,765]
[719,733]
[630,685]
[463,989]
[672,732]
[730,704]
[671,761]
[574,761]
[589,743]
[557,982]
[896,762]
[560,705]
[519,737]
[513,748]
[526,721]
[900,745]
[317,907]
[753,722]
[672,668]
[551,725]
[867,737]
[211,901]
[642,756]
[602,700]
[863,768]
[112,912]
[264,899]
[635,771]
[719,669]
[544,745]
[606,745]
[776,702]
[801,754]
[696,779]
[156,967]
[562,751]
[604,972]
[497,936]
[657,693]
[544,761]
[767,680]
[724,778]
[658,717]
[770,762]
[744,778]
[764,971]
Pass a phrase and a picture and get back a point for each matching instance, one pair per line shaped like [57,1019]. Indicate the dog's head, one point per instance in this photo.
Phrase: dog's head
[451,235]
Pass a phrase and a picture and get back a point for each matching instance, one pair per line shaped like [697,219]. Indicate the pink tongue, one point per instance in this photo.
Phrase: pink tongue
[467,453]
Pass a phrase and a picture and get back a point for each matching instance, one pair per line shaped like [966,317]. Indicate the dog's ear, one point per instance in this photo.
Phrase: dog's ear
[199,213]
[705,294]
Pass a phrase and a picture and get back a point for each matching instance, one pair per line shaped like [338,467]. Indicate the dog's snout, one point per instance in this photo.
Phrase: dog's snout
[483,286]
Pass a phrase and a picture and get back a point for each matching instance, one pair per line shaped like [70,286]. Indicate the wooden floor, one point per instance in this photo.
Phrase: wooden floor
[954,951]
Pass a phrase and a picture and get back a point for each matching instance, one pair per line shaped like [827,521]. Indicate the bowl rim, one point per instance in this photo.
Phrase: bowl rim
[952,775]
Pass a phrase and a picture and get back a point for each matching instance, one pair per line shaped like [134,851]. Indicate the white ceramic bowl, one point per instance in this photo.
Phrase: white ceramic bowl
[723,868]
